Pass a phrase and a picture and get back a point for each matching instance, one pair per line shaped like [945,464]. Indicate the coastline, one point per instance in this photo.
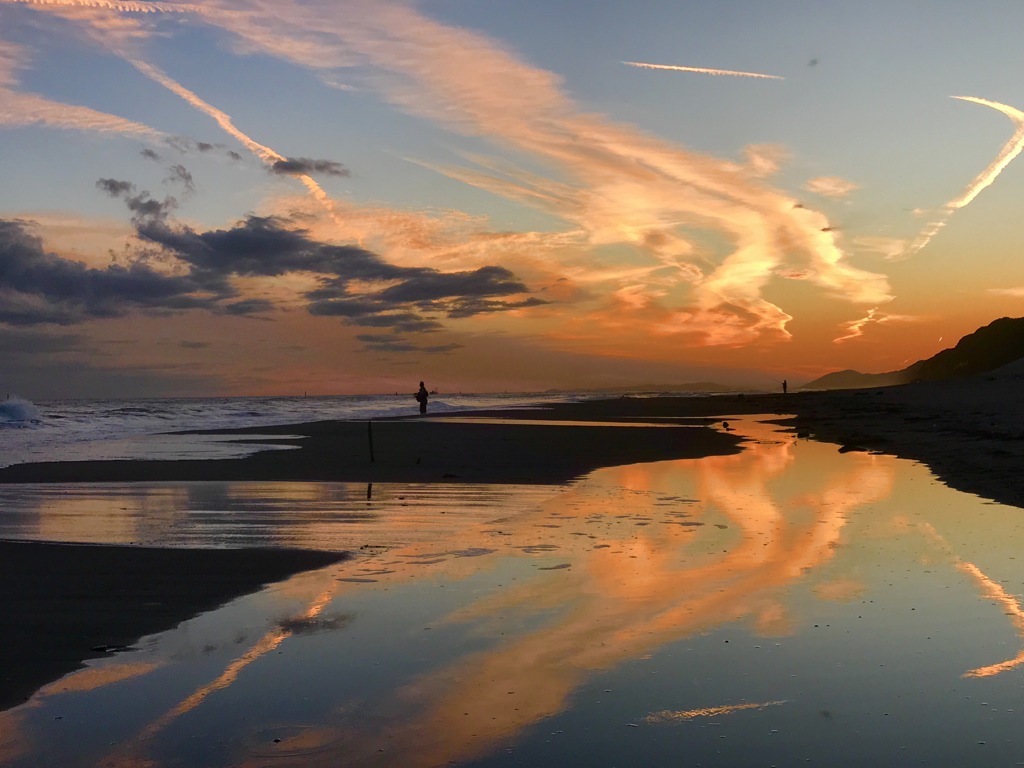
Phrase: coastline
[969,432]
[61,602]
[443,449]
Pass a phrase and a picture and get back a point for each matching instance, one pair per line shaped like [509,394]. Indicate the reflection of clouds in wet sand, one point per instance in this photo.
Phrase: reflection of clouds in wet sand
[128,754]
[993,591]
[642,582]
[610,569]
[667,716]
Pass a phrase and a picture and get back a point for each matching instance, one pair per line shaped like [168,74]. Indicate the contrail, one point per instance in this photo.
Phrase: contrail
[701,70]
[1010,150]
[264,153]
[1006,155]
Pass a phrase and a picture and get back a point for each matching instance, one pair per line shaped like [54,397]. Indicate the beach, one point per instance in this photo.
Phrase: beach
[970,432]
[64,604]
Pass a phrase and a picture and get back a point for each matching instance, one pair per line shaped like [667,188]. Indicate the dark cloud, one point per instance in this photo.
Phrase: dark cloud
[178,174]
[39,287]
[115,188]
[262,246]
[248,307]
[370,313]
[295,166]
[408,301]
[149,154]
[378,342]
[144,207]
[430,285]
[234,155]
[203,146]
[406,322]
[464,307]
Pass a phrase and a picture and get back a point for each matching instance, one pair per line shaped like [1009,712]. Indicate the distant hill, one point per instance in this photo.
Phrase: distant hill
[993,346]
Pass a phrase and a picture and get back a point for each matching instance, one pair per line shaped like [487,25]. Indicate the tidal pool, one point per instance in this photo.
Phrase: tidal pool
[786,605]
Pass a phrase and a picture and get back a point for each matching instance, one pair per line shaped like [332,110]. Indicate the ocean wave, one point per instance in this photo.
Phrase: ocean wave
[17,412]
[67,430]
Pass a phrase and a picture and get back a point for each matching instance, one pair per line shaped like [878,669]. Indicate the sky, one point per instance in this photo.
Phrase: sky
[260,197]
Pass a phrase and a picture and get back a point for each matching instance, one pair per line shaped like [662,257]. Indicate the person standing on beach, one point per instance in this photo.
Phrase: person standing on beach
[421,396]
[785,386]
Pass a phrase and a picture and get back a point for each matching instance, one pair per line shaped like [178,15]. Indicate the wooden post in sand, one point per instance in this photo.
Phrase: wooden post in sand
[369,434]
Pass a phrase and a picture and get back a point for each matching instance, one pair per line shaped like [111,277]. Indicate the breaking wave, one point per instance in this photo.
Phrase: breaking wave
[17,412]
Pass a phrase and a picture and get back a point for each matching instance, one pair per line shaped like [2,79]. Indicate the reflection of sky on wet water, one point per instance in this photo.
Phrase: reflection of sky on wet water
[789,603]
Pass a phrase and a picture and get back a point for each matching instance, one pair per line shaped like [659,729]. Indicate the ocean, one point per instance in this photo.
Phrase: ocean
[75,430]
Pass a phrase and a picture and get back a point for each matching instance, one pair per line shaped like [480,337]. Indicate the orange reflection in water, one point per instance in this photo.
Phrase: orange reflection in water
[626,561]
[991,590]
[659,567]
[668,716]
[127,755]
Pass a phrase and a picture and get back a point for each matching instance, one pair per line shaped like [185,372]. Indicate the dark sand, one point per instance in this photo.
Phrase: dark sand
[415,450]
[62,604]
[59,602]
[970,432]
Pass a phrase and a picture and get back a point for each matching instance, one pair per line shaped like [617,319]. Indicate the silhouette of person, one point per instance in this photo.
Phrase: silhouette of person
[421,396]
[785,386]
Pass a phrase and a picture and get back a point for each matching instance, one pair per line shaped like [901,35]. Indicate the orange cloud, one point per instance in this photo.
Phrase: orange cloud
[855,328]
[614,185]
[830,186]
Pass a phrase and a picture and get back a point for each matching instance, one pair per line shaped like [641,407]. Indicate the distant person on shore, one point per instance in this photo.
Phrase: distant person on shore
[785,386]
[421,397]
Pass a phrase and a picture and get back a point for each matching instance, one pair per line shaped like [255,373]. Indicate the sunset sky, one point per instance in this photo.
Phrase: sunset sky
[348,196]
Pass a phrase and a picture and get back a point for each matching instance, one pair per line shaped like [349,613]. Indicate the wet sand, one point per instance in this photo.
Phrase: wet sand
[416,450]
[970,432]
[63,604]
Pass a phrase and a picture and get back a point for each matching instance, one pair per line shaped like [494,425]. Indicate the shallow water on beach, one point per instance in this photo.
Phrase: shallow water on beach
[789,604]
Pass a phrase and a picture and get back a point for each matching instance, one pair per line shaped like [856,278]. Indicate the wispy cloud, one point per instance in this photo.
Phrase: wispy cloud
[854,329]
[18,109]
[1006,155]
[1016,292]
[100,19]
[114,5]
[23,109]
[616,186]
[830,186]
[701,70]
[889,248]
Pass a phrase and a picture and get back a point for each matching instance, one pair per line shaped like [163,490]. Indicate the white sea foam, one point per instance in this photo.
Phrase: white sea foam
[17,412]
